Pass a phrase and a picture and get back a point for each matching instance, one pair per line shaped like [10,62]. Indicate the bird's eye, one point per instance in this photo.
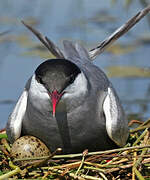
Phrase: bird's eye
[71,79]
[39,79]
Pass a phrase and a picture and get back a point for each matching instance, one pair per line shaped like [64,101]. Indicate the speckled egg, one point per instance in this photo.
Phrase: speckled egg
[28,147]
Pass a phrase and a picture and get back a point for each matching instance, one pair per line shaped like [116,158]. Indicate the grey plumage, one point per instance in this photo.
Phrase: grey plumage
[91,119]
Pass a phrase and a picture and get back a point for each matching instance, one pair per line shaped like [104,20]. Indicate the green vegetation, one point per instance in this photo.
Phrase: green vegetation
[130,162]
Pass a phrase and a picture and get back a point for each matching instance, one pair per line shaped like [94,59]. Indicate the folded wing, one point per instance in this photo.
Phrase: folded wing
[14,124]
[116,122]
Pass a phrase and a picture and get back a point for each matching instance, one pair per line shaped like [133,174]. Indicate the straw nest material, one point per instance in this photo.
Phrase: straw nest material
[130,162]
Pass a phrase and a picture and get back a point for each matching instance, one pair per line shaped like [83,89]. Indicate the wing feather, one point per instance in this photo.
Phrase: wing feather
[116,122]
[14,123]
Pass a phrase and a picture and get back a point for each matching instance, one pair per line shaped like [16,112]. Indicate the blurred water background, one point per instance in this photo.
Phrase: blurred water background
[89,22]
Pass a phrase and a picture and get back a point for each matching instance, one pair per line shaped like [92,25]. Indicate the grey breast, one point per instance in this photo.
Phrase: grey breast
[82,127]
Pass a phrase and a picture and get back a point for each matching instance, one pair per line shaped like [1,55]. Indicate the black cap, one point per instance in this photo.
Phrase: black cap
[56,74]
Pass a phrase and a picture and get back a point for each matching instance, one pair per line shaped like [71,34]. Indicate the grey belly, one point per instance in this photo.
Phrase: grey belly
[72,132]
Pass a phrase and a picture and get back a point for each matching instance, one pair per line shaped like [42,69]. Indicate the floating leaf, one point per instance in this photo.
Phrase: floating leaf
[128,3]
[102,17]
[31,20]
[14,20]
[39,53]
[119,49]
[128,71]
[8,20]
[113,2]
[25,41]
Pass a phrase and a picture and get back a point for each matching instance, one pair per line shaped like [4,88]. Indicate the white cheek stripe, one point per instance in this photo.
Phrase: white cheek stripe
[78,88]
[37,90]
[110,111]
[37,87]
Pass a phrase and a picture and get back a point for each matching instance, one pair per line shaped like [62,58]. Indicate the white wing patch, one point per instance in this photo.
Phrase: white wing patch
[116,122]
[17,116]
[111,113]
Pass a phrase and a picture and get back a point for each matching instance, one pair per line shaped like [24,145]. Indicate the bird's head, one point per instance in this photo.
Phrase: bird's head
[56,75]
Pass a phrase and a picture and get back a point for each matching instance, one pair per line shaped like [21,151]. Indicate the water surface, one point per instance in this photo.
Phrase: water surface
[86,21]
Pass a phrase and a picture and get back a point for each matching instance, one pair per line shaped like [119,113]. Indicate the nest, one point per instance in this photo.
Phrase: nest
[130,162]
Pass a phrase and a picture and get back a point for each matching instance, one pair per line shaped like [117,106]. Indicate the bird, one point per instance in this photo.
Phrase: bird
[69,103]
